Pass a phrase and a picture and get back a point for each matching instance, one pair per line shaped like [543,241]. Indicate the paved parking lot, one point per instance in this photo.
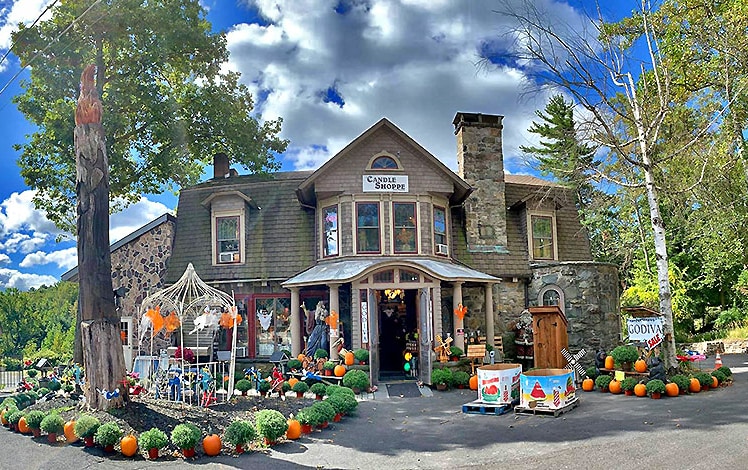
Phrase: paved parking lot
[432,432]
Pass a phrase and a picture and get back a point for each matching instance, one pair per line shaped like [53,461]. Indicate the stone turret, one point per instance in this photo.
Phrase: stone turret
[480,162]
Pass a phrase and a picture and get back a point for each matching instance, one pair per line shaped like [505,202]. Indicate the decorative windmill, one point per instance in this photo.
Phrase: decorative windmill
[442,348]
[573,363]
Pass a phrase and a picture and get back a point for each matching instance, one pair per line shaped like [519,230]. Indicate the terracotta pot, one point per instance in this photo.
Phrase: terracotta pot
[262,394]
[323,425]
[52,437]
[605,390]
[454,358]
[88,441]
[338,417]
[306,428]
[239,449]
[109,448]
[153,453]
[268,442]
[441,387]
[328,372]
[628,393]
[318,397]
[188,452]
[356,390]
[299,394]
[704,388]
[36,432]
[656,395]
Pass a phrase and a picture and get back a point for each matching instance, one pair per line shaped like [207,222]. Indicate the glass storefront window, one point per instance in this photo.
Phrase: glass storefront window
[272,325]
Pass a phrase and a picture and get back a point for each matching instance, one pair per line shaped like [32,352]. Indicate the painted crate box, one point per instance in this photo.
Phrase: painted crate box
[547,388]
[498,383]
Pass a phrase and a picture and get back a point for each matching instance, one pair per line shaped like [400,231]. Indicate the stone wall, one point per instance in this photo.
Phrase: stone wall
[590,297]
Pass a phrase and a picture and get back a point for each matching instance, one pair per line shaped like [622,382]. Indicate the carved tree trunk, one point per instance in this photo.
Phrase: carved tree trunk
[103,357]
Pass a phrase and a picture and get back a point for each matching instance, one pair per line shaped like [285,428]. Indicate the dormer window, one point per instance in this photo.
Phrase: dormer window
[384,161]
[228,239]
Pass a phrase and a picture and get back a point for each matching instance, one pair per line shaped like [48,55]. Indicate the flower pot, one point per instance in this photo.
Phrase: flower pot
[52,437]
[268,442]
[655,395]
[299,394]
[263,394]
[153,453]
[306,428]
[323,425]
[239,449]
[109,448]
[454,358]
[88,441]
[318,397]
[441,387]
[188,452]
[704,388]
[605,390]
[356,390]
[328,372]
[338,417]
[36,432]
[626,366]
[628,393]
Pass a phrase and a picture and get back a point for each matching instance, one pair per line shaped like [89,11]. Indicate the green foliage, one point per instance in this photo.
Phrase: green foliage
[350,403]
[602,381]
[725,370]
[454,351]
[356,379]
[42,391]
[55,385]
[108,434]
[327,411]
[717,373]
[591,372]
[336,389]
[442,376]
[9,402]
[328,365]
[628,384]
[285,386]
[681,381]
[14,416]
[52,423]
[655,386]
[153,438]
[731,318]
[361,355]
[338,402]
[318,389]
[704,378]
[309,416]
[264,386]
[241,432]
[300,387]
[623,354]
[32,373]
[321,353]
[294,364]
[34,418]
[243,385]
[86,426]
[185,435]
[270,424]
[460,378]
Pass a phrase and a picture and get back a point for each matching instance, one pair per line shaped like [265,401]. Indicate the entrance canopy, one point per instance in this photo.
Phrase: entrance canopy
[349,270]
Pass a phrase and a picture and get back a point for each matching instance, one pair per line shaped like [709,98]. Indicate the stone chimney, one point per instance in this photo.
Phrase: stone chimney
[220,165]
[480,162]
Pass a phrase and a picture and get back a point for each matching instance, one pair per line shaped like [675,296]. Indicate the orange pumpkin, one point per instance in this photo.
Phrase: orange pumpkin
[640,365]
[640,390]
[69,430]
[212,445]
[2,418]
[715,382]
[293,381]
[672,390]
[609,362]
[339,370]
[301,357]
[588,385]
[23,426]
[129,445]
[614,387]
[294,429]
[349,358]
[473,382]
[694,386]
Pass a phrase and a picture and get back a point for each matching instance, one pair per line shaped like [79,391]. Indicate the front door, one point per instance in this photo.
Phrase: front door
[125,332]
[398,332]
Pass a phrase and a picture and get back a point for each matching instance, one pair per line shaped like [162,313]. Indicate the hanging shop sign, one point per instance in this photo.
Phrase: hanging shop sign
[385,183]
[647,329]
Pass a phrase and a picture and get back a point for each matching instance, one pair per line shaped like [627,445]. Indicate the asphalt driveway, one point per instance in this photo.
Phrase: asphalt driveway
[432,432]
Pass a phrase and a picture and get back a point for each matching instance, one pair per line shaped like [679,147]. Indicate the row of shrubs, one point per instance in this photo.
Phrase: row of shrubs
[460,379]
[353,379]
[684,383]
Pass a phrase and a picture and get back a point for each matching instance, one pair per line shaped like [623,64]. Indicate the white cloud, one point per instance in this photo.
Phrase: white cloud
[64,259]
[133,217]
[10,278]
[4,259]
[22,11]
[17,212]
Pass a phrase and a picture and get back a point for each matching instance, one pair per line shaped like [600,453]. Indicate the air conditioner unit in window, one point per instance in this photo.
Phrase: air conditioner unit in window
[442,249]
[227,257]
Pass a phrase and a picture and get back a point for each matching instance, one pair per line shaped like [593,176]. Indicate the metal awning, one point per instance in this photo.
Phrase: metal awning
[350,270]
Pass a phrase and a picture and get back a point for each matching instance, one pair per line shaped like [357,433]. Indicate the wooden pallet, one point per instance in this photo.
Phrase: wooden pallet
[545,411]
[477,407]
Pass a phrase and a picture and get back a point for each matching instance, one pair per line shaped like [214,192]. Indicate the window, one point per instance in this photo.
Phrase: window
[367,227]
[330,227]
[551,295]
[440,231]
[409,276]
[542,230]
[384,163]
[228,241]
[404,229]
[272,325]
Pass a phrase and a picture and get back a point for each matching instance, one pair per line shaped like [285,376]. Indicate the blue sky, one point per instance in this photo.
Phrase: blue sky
[331,69]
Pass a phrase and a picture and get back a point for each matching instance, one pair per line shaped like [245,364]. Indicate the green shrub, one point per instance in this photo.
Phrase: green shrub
[54,385]
[321,353]
[243,385]
[592,372]
[33,396]
[454,351]
[300,387]
[32,373]
[356,379]
[319,389]
[153,438]
[337,402]
[629,383]
[286,386]
[43,391]
[9,402]
[86,425]
[350,403]
[603,381]
[241,432]
[270,424]
[460,378]
[328,365]
[52,423]
[185,435]
[310,416]
[442,376]
[14,416]
[264,386]
[725,370]
[717,373]
[333,389]
[681,381]
[327,411]
[294,364]
[13,363]
[704,378]
[623,354]
[361,355]
[68,388]
[655,386]
[34,418]
[108,434]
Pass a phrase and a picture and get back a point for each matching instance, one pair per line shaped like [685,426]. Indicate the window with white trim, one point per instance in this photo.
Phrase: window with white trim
[367,227]
[541,231]
[440,231]
[228,239]
[551,295]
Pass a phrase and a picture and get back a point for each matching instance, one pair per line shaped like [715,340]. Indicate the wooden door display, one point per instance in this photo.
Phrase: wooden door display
[550,336]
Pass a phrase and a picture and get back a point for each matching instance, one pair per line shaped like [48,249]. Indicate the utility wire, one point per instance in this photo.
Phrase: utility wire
[10,49]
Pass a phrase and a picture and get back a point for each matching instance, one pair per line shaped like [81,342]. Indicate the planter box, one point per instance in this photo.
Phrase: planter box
[548,389]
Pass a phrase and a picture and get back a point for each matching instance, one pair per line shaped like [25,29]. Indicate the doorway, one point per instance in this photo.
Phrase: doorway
[398,327]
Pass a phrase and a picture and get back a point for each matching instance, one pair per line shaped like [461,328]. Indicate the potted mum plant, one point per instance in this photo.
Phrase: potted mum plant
[328,367]
[705,380]
[85,428]
[455,353]
[13,417]
[356,380]
[264,387]
[625,356]
[441,378]
[321,354]
[326,411]
[300,388]
[361,355]
[294,364]
[243,386]
[285,387]
[186,436]
[152,440]
[53,424]
[34,420]
[107,435]
[602,382]
[627,385]
[240,433]
[271,425]
[461,379]
[319,390]
[655,388]
[305,417]
[682,382]
[338,403]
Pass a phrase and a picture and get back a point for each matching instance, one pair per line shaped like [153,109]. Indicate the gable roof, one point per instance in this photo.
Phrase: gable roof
[461,188]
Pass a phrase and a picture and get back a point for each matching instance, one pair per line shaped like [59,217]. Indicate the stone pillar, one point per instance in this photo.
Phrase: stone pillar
[297,338]
[459,340]
[489,314]
[334,307]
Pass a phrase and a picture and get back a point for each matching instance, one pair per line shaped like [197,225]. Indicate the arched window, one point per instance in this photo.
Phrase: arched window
[551,295]
[384,163]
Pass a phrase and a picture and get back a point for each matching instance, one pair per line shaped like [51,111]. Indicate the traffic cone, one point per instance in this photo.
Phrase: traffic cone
[718,362]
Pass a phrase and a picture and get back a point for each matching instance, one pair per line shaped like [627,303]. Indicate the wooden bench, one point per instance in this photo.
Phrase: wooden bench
[476,353]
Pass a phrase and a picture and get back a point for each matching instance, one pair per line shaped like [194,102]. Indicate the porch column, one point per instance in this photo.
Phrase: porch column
[334,307]
[459,340]
[489,314]
[297,338]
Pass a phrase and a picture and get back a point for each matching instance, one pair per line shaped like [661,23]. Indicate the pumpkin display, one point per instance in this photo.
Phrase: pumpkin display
[715,382]
[23,426]
[293,381]
[339,370]
[640,365]
[694,386]
[671,389]
[69,430]
[349,358]
[301,357]
[294,429]
[588,385]
[473,383]
[212,445]
[615,387]
[609,362]
[129,445]
[640,390]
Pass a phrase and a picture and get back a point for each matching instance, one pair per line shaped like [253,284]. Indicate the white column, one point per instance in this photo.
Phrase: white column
[334,307]
[489,314]
[297,338]
[459,324]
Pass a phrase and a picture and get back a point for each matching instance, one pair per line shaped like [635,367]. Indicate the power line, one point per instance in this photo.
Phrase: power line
[10,49]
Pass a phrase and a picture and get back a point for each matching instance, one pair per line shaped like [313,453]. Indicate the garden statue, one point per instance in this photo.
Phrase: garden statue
[175,386]
[657,369]
[600,360]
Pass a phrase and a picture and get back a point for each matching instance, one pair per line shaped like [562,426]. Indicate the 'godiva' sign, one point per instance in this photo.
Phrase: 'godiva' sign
[385,183]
